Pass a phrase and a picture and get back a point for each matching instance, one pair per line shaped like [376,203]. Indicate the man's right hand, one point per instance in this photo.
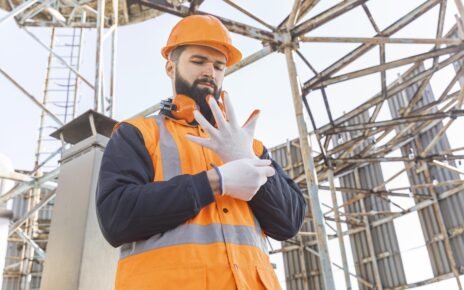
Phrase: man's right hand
[242,178]
[229,141]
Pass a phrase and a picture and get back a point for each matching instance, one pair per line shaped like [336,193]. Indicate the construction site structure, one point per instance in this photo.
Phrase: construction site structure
[404,123]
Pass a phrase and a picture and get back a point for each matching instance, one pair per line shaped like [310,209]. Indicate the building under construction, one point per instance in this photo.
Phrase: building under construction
[393,154]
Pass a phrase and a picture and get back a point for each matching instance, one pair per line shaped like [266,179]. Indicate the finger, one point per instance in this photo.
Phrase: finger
[266,171]
[269,171]
[206,142]
[205,124]
[230,110]
[261,162]
[220,121]
[262,180]
[250,124]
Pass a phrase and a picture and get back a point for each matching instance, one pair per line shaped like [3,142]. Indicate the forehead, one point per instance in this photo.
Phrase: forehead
[204,51]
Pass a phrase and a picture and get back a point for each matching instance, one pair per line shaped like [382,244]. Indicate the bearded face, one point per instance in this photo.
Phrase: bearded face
[198,91]
[197,71]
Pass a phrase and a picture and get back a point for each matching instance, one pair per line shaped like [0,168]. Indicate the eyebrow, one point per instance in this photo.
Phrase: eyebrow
[206,58]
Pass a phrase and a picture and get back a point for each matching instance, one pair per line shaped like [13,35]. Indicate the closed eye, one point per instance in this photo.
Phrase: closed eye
[197,61]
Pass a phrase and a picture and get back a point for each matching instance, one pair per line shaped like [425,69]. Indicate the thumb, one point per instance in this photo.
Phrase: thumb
[250,124]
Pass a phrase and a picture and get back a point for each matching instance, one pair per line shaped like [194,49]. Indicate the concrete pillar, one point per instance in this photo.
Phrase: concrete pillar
[78,257]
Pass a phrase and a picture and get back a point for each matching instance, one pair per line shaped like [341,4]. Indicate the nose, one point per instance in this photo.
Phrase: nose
[209,70]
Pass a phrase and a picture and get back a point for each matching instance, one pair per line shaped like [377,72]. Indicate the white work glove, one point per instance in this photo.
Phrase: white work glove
[229,141]
[242,178]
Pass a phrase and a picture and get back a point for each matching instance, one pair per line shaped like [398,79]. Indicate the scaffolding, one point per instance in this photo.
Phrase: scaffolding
[403,123]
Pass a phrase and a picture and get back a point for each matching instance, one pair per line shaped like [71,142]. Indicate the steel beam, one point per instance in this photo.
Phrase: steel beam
[17,10]
[355,54]
[233,26]
[24,187]
[310,173]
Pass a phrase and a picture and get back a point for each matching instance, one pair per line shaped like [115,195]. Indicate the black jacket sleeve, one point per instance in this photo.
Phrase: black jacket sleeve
[279,205]
[130,206]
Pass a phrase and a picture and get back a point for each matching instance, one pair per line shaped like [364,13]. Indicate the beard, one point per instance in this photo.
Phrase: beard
[198,94]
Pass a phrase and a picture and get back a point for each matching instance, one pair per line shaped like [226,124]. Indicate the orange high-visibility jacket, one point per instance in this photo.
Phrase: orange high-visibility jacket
[221,247]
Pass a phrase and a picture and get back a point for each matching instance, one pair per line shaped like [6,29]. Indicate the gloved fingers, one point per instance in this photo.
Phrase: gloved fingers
[268,170]
[230,110]
[250,124]
[264,166]
[262,181]
[220,121]
[205,124]
[206,142]
[261,162]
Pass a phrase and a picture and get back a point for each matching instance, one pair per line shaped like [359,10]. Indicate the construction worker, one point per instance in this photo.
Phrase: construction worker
[189,194]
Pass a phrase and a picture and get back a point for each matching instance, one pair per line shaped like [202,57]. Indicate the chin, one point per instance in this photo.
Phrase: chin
[206,92]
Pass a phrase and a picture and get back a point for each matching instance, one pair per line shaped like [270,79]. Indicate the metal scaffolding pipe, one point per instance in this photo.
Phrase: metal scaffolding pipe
[310,173]
[24,187]
[341,241]
[17,10]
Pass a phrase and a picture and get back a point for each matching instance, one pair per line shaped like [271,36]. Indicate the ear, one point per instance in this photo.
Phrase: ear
[170,69]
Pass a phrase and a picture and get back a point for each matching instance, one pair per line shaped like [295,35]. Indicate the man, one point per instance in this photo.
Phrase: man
[188,194]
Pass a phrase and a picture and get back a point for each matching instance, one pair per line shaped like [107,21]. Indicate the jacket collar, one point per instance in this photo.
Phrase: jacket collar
[167,114]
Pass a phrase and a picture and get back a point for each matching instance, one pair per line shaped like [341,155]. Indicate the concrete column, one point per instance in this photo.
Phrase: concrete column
[78,257]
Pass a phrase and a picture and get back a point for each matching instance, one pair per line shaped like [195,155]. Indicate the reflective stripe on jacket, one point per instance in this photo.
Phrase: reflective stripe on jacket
[222,247]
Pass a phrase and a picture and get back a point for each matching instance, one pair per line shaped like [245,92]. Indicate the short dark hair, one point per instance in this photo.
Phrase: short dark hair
[176,52]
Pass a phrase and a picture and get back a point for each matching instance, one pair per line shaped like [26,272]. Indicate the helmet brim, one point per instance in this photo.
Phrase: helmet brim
[232,54]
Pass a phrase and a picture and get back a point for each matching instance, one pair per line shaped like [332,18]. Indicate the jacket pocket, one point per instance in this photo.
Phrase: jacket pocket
[191,277]
[268,278]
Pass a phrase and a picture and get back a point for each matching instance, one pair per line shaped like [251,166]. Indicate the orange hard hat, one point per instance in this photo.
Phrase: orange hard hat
[205,30]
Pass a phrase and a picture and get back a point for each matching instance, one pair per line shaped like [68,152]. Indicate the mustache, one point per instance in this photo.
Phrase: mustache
[205,80]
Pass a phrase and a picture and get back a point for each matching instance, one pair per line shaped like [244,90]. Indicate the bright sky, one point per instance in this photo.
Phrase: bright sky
[141,82]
